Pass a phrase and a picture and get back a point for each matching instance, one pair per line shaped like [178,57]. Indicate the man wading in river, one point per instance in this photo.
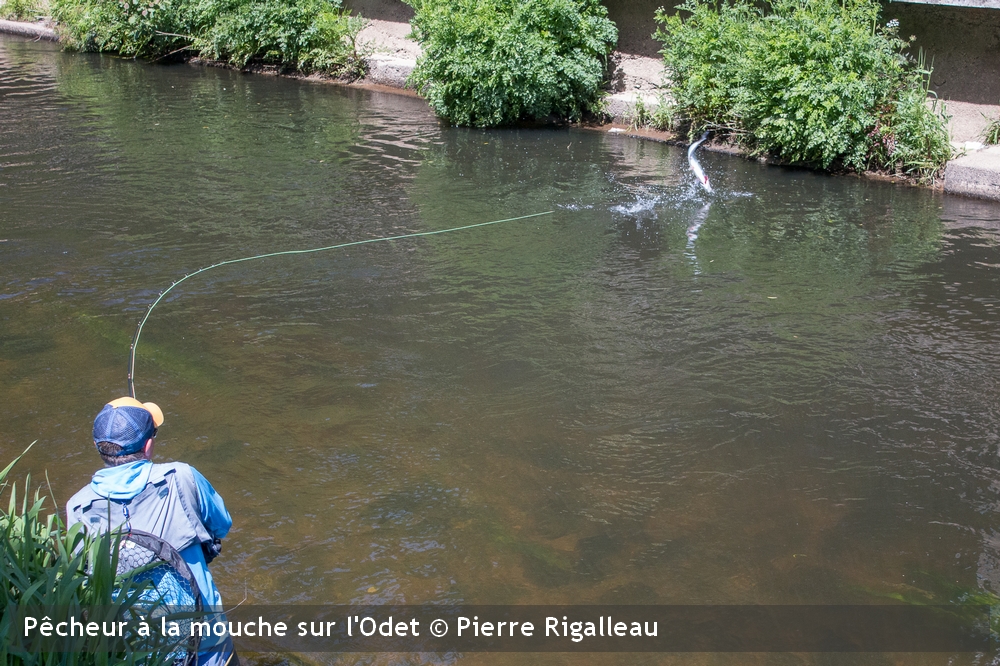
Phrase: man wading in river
[172,501]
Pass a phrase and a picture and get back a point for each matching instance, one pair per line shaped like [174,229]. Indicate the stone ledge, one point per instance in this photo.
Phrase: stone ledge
[388,70]
[622,107]
[33,30]
[976,175]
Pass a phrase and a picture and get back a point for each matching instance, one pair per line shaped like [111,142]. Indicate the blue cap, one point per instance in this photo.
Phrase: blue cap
[128,426]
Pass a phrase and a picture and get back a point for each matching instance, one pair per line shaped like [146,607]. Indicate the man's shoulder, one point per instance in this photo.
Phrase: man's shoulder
[81,496]
[167,467]
[184,475]
[184,472]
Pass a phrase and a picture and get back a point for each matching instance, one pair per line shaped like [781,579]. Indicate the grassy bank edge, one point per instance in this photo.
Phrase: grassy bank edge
[637,122]
[632,130]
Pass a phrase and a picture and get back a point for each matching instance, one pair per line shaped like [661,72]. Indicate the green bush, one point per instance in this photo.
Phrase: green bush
[307,35]
[19,10]
[143,28]
[44,568]
[495,62]
[816,82]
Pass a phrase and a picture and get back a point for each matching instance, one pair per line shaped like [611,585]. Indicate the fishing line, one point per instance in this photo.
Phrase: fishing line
[149,310]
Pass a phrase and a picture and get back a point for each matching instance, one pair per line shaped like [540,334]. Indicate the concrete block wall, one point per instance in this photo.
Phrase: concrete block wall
[962,42]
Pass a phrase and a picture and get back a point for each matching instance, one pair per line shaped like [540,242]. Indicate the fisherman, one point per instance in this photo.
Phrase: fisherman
[172,501]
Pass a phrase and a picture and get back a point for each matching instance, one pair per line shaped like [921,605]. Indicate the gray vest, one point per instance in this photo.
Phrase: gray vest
[167,507]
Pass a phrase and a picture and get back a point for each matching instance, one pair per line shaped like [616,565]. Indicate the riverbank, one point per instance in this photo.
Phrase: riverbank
[635,91]
[636,85]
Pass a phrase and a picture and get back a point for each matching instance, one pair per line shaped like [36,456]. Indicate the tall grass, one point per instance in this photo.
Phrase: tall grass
[991,133]
[46,570]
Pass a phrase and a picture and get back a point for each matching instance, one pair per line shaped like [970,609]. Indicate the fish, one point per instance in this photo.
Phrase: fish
[695,166]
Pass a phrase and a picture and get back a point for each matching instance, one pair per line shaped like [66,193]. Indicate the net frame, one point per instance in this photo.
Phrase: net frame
[141,557]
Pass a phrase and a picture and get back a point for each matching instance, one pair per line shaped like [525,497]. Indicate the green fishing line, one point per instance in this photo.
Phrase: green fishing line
[149,310]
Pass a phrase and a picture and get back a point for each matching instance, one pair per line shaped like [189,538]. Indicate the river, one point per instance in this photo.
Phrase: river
[783,393]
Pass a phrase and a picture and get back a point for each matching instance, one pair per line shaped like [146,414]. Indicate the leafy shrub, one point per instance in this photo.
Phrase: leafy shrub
[144,28]
[494,62]
[19,10]
[297,34]
[912,134]
[813,81]
[305,34]
[43,566]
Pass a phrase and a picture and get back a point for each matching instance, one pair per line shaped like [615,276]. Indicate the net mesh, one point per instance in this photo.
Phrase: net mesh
[169,587]
[167,592]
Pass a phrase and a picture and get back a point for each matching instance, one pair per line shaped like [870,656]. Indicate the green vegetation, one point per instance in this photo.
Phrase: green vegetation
[46,568]
[950,597]
[991,133]
[19,10]
[660,117]
[817,82]
[303,35]
[495,62]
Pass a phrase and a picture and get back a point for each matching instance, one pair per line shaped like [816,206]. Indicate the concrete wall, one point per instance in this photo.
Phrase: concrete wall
[634,19]
[964,42]
[382,10]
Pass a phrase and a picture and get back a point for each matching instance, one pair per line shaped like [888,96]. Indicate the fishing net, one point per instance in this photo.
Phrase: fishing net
[168,588]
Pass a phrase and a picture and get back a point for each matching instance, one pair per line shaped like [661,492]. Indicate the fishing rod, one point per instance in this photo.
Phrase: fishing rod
[149,310]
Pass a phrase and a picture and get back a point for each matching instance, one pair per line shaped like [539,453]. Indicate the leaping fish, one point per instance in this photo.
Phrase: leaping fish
[695,166]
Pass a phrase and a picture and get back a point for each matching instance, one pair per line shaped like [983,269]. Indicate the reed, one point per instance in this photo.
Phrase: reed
[991,133]
[47,570]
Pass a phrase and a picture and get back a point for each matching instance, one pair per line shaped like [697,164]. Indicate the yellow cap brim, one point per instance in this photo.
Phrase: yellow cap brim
[150,407]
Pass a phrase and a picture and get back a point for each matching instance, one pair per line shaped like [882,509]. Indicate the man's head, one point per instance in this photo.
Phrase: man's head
[124,430]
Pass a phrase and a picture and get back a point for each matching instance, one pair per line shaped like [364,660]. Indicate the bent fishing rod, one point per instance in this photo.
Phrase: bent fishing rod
[149,310]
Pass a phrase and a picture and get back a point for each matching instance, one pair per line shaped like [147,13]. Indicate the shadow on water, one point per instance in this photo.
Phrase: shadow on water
[782,393]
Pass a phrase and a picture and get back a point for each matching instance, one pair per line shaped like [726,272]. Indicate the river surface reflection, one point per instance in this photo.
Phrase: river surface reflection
[796,403]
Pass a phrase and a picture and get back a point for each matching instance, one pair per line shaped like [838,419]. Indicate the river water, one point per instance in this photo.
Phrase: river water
[783,393]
